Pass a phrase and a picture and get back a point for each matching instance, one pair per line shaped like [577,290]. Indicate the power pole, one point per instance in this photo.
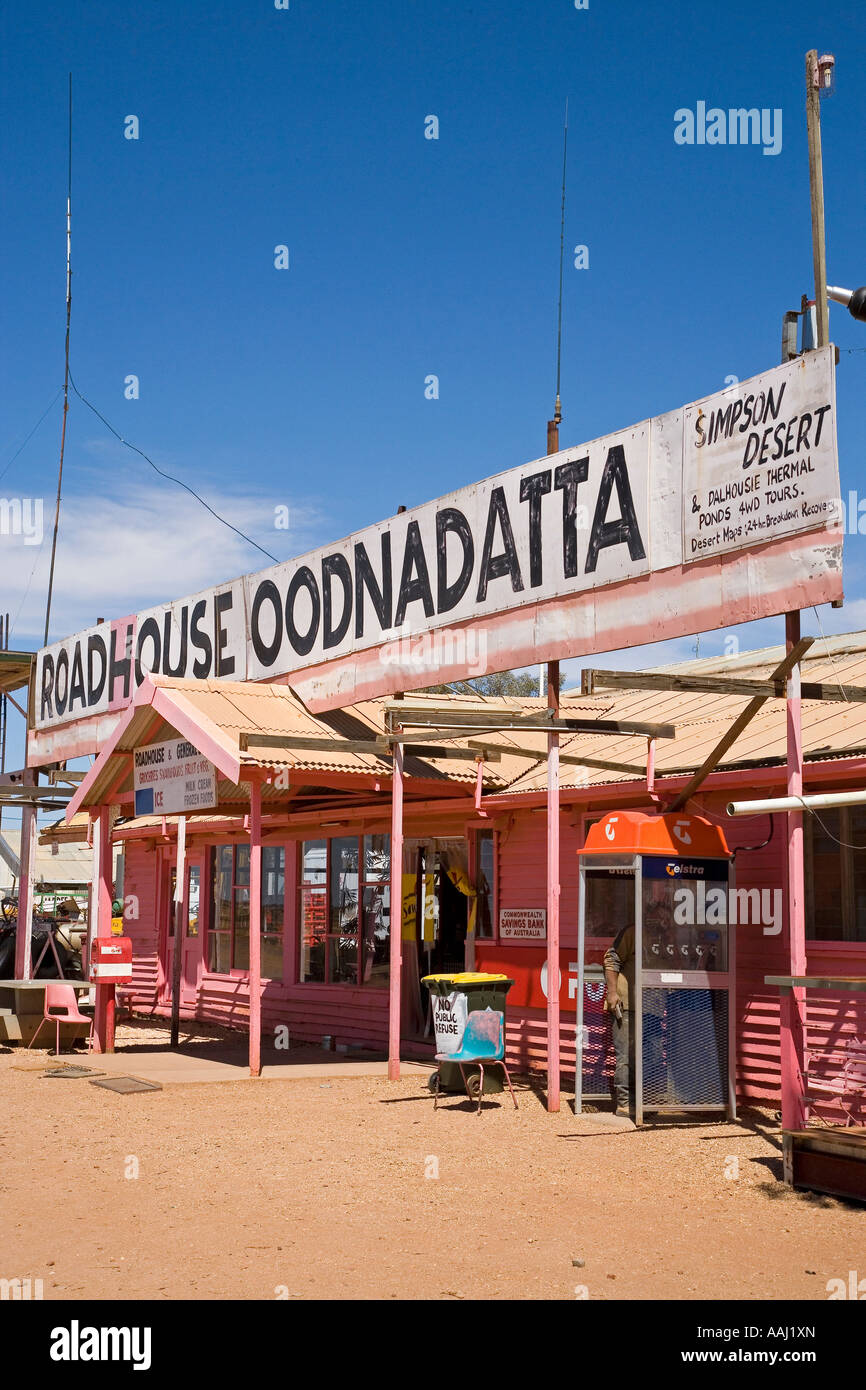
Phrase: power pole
[816,185]
[66,372]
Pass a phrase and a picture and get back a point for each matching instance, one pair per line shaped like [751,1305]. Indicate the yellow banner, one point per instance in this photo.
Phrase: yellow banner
[410,907]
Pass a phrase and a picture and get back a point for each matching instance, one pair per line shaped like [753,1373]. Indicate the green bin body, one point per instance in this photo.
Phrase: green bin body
[482,992]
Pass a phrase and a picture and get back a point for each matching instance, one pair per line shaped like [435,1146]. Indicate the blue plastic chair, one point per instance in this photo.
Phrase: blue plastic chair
[483,1042]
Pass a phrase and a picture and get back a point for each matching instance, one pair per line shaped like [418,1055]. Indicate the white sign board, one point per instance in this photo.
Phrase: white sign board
[449,1021]
[522,924]
[172,778]
[715,513]
[756,464]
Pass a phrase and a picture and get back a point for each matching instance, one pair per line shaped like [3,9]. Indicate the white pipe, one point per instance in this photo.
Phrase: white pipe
[795,803]
[840,295]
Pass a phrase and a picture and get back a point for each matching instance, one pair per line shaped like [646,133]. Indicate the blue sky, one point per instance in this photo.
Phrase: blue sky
[408,257]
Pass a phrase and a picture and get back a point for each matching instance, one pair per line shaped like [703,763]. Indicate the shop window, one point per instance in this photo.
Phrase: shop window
[229,917]
[273,910]
[193,893]
[835,849]
[345,910]
[485,878]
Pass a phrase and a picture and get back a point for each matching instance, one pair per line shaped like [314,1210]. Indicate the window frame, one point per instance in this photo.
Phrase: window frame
[848,925]
[493,897]
[238,971]
[383,881]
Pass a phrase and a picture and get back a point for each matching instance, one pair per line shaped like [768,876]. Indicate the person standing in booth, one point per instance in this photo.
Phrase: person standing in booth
[619,992]
[619,979]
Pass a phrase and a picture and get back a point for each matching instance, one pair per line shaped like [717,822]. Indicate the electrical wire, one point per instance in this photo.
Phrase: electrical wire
[27,588]
[828,653]
[845,844]
[52,402]
[169,476]
[747,849]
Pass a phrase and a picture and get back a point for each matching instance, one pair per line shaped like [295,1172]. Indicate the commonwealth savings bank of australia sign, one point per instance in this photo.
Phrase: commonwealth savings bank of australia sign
[720,512]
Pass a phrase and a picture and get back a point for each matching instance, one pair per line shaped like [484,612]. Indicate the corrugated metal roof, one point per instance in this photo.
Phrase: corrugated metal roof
[57,860]
[225,709]
[829,729]
[15,668]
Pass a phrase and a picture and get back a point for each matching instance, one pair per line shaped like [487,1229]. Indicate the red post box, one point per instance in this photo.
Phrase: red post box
[111,960]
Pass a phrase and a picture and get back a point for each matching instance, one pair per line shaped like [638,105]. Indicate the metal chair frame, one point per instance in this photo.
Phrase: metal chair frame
[463,1059]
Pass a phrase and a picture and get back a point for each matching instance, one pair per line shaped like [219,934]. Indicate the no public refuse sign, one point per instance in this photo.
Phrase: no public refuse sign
[449,1021]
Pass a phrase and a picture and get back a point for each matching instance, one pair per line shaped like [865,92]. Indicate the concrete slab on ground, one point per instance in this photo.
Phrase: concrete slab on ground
[179,1068]
[602,1122]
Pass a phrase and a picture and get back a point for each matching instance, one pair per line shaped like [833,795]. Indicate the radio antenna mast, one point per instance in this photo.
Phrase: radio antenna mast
[553,425]
[66,374]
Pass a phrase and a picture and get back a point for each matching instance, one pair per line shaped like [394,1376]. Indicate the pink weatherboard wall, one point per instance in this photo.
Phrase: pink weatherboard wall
[360,1015]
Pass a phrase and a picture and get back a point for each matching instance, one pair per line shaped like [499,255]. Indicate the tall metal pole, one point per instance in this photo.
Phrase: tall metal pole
[179,931]
[553,425]
[553,889]
[66,371]
[553,884]
[24,921]
[103,1019]
[396,943]
[793,1002]
[816,186]
[255,929]
[792,1009]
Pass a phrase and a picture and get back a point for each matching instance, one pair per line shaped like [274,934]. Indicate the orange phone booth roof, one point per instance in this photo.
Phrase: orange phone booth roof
[674,835]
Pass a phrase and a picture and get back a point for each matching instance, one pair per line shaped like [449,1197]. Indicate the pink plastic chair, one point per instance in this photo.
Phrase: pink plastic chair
[843,1079]
[61,1006]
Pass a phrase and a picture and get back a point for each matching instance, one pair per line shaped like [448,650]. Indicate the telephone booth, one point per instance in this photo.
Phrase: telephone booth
[665,882]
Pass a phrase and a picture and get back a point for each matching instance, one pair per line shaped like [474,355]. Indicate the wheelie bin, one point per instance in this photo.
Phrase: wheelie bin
[455,996]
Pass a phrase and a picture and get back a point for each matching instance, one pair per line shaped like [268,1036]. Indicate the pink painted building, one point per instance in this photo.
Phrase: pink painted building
[475,854]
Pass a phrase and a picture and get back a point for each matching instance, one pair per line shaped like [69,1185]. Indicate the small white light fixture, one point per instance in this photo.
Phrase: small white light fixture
[825,74]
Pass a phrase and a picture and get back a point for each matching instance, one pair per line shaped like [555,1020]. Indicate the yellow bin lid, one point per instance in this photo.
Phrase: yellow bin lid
[468,977]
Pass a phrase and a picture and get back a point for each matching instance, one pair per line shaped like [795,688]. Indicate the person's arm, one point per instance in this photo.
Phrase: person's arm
[610,980]
[612,967]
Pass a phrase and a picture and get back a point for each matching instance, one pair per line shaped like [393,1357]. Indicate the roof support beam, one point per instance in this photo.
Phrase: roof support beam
[377,748]
[549,725]
[594,680]
[736,728]
[539,755]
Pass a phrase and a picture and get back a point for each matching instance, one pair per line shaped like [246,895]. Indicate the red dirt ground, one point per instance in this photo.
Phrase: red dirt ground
[320,1189]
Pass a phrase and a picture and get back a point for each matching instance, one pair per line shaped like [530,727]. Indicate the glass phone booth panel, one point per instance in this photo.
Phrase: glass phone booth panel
[685,986]
[663,880]
[607,903]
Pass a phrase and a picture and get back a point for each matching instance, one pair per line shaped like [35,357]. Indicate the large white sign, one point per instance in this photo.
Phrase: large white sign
[756,464]
[626,539]
[172,778]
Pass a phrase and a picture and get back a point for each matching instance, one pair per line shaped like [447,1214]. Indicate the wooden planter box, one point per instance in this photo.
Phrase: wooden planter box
[827,1160]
